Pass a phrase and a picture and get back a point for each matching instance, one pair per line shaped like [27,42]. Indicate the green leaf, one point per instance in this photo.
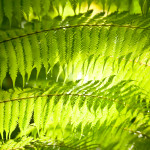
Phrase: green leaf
[76,43]
[57,111]
[22,109]
[127,38]
[28,113]
[94,40]
[69,43]
[7,118]
[52,49]
[48,117]
[28,55]
[102,40]
[44,50]
[37,112]
[1,119]
[85,44]
[14,116]
[60,34]
[1,13]
[111,40]
[35,53]
[3,64]
[19,55]
[12,61]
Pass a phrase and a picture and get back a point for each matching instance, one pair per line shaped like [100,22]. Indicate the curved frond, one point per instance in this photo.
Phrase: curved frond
[110,106]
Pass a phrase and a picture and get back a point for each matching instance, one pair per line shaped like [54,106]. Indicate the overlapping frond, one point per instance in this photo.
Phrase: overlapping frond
[119,48]
[97,105]
[14,11]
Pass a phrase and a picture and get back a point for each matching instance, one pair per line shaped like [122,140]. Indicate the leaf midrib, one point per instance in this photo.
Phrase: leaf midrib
[74,26]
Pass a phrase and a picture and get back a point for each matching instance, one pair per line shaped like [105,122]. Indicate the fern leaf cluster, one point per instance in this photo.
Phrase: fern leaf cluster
[74,74]
[87,45]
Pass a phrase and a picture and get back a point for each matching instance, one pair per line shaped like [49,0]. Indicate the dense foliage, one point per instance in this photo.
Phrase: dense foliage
[74,74]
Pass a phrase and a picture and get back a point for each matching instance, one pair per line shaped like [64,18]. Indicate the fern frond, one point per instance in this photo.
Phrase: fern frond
[1,118]
[22,113]
[7,118]
[57,111]
[102,40]
[15,144]
[36,53]
[48,112]
[44,51]
[118,48]
[76,43]
[85,43]
[29,112]
[60,34]
[28,55]
[12,61]
[111,40]
[53,48]
[3,64]
[69,44]
[37,112]
[1,13]
[95,108]
[19,55]
[94,42]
